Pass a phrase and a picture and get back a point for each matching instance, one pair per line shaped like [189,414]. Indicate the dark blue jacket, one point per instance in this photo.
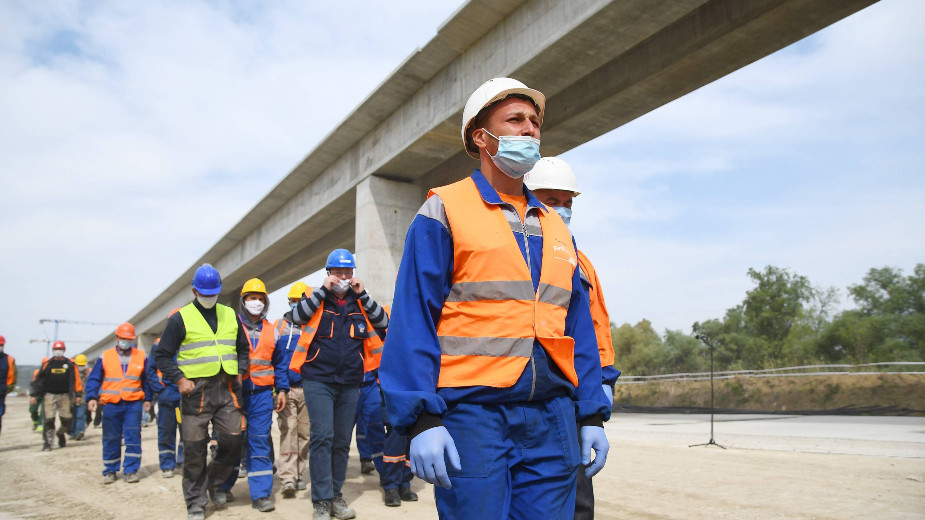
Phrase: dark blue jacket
[166,390]
[287,342]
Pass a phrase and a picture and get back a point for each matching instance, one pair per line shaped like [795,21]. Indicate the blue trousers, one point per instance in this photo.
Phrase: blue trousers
[169,453]
[332,409]
[370,433]
[122,421]
[258,409]
[519,461]
[395,471]
[80,419]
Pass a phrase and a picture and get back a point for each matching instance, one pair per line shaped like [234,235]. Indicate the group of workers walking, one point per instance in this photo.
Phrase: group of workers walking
[491,377]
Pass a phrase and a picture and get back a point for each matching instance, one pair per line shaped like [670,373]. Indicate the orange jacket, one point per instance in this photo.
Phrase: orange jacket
[598,311]
[372,344]
[118,386]
[492,314]
[260,369]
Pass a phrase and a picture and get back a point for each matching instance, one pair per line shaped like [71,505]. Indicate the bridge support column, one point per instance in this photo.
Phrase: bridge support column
[384,210]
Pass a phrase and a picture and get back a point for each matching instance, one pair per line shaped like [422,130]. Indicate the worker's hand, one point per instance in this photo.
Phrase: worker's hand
[593,437]
[91,405]
[357,285]
[280,401]
[147,406]
[428,454]
[330,281]
[33,401]
[608,394]
[185,386]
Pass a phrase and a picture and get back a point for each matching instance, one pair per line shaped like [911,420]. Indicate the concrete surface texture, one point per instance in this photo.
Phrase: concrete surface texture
[601,64]
[845,468]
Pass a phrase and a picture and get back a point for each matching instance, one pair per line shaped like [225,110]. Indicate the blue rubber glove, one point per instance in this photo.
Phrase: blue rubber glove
[608,393]
[427,453]
[593,437]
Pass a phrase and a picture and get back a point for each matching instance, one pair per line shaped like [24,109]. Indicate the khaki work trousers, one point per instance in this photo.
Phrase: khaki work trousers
[60,403]
[293,437]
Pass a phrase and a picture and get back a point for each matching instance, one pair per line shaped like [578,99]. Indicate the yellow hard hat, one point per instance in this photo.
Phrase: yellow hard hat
[81,360]
[254,285]
[297,290]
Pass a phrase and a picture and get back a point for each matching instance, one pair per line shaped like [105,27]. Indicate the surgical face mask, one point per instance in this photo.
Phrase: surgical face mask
[58,353]
[340,288]
[517,154]
[207,302]
[255,307]
[565,213]
[124,344]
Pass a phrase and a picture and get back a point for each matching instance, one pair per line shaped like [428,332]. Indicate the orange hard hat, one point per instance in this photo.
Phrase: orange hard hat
[58,345]
[125,331]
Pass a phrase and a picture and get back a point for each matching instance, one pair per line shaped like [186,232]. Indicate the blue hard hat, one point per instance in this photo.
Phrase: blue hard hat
[340,258]
[207,281]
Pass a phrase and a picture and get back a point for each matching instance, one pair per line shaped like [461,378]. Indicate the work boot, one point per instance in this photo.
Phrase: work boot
[167,473]
[407,495]
[218,497]
[263,505]
[340,510]
[391,498]
[132,478]
[46,446]
[196,515]
[62,440]
[300,485]
[79,436]
[288,490]
[367,466]
[322,510]
[242,472]
[109,478]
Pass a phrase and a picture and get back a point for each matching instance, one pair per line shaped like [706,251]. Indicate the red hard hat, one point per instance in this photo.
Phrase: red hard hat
[2,340]
[125,331]
[58,345]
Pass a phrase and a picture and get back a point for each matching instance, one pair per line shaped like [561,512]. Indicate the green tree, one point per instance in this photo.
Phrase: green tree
[774,306]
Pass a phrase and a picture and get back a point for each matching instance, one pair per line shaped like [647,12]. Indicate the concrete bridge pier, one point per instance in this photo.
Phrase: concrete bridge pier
[384,210]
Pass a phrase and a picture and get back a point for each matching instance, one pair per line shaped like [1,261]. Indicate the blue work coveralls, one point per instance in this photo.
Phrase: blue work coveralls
[121,421]
[170,453]
[518,445]
[258,406]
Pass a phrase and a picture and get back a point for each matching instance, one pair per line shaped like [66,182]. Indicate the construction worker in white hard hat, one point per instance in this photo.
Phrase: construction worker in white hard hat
[293,419]
[491,355]
[553,182]
[268,371]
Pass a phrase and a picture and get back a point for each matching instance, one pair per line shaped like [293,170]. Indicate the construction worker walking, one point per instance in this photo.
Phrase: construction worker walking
[170,454]
[340,321]
[120,384]
[205,351]
[7,377]
[267,370]
[553,182]
[36,412]
[79,425]
[57,385]
[293,419]
[491,354]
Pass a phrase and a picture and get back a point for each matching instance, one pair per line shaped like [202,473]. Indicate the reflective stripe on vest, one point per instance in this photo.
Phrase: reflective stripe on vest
[118,386]
[204,353]
[492,314]
[260,370]
[599,314]
[372,344]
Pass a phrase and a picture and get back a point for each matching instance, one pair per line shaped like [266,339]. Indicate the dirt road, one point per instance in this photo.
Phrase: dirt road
[648,476]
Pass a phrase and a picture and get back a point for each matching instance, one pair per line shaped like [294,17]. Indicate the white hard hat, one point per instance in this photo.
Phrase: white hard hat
[552,173]
[495,90]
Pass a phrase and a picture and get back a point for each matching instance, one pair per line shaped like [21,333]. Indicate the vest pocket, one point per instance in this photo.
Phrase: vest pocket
[326,325]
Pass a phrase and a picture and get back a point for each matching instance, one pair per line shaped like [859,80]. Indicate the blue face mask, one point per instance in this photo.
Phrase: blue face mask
[124,344]
[565,213]
[517,154]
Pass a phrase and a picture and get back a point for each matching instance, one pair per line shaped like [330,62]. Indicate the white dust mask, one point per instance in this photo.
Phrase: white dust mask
[207,302]
[255,307]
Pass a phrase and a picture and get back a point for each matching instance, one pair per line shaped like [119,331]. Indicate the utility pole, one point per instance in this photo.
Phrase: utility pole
[56,322]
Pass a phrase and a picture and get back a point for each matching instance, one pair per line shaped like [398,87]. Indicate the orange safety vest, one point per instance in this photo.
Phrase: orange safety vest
[492,314]
[260,369]
[10,370]
[372,344]
[599,314]
[118,386]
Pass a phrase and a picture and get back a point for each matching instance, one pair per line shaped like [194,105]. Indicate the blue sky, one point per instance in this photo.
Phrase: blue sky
[122,123]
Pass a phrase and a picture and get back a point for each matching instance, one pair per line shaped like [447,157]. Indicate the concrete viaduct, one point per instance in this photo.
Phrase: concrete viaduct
[601,64]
